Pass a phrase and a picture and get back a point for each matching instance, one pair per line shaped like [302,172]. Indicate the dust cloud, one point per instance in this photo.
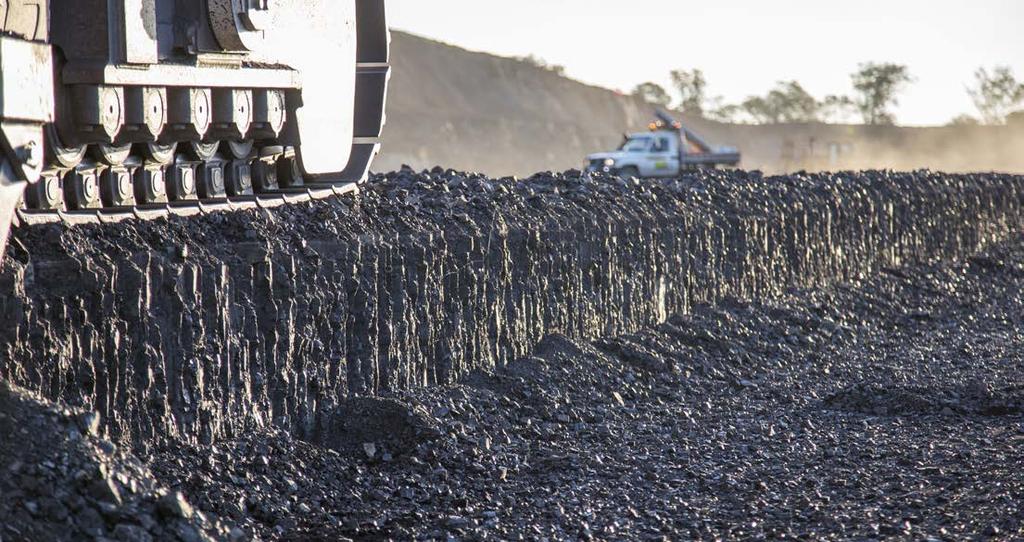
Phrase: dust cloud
[478,112]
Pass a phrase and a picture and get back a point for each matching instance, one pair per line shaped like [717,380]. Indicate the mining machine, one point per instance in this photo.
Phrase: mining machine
[140,109]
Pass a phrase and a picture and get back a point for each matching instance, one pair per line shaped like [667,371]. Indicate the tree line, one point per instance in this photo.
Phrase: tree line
[876,89]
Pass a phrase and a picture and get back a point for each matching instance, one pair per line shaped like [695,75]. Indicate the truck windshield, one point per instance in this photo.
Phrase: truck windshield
[636,144]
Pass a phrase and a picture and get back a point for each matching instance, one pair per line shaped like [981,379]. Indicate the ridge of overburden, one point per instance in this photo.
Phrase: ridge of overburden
[201,329]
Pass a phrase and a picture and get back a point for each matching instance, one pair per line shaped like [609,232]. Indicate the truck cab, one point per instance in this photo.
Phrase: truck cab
[648,154]
[666,150]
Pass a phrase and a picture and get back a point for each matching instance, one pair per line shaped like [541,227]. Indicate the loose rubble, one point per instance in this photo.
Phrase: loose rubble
[59,481]
[202,329]
[564,357]
[886,408]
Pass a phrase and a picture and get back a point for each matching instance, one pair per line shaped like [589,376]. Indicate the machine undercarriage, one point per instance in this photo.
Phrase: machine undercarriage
[115,109]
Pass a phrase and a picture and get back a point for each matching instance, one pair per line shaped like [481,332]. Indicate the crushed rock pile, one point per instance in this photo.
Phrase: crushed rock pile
[883,408]
[60,481]
[203,329]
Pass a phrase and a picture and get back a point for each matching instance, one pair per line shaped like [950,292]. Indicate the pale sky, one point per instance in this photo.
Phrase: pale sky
[744,46]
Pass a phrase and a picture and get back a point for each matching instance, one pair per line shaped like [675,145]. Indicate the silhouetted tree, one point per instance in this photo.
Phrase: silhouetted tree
[877,87]
[837,109]
[653,93]
[996,94]
[539,62]
[692,89]
[795,103]
[722,112]
[761,110]
[787,102]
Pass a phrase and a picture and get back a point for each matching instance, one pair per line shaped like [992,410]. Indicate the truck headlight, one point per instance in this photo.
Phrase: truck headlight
[609,162]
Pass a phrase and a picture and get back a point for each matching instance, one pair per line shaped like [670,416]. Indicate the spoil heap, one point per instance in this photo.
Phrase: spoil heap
[60,481]
[204,328]
[565,356]
[888,408]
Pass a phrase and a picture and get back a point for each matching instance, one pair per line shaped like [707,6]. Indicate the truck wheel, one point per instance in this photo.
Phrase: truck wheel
[629,172]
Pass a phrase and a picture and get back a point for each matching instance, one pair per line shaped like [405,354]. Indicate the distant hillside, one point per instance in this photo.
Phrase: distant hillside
[481,112]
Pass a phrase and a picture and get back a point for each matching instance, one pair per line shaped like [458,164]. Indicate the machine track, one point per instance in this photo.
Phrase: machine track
[187,186]
[184,140]
[28,217]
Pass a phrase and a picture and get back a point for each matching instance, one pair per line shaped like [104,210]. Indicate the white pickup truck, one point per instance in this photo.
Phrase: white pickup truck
[665,151]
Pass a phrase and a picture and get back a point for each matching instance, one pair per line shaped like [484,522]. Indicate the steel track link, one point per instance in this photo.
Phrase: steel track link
[308,190]
[31,217]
